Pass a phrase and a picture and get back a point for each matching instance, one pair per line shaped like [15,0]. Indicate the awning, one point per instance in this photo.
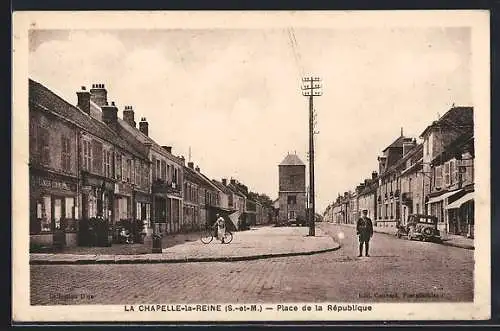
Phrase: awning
[456,204]
[442,196]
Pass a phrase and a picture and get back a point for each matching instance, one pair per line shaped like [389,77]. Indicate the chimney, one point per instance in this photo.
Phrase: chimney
[110,114]
[366,182]
[233,181]
[99,95]
[84,100]
[197,169]
[374,175]
[190,165]
[144,126]
[128,116]
[167,148]
[182,159]
[224,181]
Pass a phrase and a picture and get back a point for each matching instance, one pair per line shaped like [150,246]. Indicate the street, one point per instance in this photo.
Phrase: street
[397,271]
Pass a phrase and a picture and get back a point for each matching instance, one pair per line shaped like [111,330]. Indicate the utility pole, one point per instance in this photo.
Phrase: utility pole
[311,90]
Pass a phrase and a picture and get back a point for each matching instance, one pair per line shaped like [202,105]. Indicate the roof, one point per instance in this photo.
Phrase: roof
[459,118]
[291,160]
[43,97]
[221,186]
[147,140]
[398,143]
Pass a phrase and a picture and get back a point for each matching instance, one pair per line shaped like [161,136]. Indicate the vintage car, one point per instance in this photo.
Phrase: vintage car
[420,227]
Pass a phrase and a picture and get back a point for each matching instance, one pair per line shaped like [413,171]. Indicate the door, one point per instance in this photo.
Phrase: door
[58,222]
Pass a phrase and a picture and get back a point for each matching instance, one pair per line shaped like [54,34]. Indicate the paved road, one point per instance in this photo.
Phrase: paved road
[397,271]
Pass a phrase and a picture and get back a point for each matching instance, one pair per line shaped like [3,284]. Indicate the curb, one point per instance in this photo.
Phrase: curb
[147,260]
[444,243]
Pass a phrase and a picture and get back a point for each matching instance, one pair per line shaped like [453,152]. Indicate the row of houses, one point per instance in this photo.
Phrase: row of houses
[433,177]
[86,162]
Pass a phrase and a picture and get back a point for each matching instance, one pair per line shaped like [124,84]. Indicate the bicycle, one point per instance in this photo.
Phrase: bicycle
[208,235]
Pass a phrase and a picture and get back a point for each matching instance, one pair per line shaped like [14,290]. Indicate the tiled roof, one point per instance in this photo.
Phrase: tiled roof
[459,118]
[43,97]
[398,143]
[221,186]
[291,159]
[147,140]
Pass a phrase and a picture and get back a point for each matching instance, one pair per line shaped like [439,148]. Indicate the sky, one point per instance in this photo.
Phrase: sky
[233,97]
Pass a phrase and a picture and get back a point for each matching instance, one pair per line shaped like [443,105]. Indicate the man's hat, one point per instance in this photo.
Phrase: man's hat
[365,210]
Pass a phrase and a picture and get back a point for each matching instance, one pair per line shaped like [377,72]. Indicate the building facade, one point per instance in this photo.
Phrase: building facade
[444,185]
[292,188]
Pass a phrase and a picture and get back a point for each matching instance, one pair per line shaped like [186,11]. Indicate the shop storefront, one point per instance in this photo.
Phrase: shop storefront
[143,210]
[53,210]
[97,197]
[461,216]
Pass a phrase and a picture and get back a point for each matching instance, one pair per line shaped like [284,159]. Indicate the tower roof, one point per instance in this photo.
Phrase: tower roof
[291,160]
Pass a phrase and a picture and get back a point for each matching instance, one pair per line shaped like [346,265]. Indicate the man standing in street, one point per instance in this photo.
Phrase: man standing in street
[364,230]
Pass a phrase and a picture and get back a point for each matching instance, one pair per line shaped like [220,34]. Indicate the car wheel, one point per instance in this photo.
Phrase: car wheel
[409,236]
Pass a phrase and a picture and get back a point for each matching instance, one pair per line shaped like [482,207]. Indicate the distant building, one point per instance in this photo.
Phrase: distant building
[292,188]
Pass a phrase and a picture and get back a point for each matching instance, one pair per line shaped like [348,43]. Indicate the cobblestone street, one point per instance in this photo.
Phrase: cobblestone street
[398,270]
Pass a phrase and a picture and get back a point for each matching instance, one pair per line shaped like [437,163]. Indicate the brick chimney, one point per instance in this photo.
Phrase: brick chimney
[190,165]
[224,181]
[167,148]
[233,181]
[110,114]
[99,95]
[84,100]
[197,169]
[128,116]
[144,126]
[374,174]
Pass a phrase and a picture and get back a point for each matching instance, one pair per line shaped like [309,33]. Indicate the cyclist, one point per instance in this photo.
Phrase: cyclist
[220,228]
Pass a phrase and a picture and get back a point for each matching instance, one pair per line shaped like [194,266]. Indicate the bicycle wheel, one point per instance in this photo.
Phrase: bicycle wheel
[228,237]
[206,236]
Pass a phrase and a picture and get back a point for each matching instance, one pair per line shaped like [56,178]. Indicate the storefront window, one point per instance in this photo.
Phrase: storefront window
[69,208]
[148,214]
[44,213]
[138,211]
[57,213]
[123,208]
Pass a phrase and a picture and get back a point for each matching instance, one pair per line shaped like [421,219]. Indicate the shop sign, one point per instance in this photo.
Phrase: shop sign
[99,183]
[54,184]
[123,189]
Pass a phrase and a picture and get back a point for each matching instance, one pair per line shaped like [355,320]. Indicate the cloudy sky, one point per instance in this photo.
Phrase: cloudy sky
[234,98]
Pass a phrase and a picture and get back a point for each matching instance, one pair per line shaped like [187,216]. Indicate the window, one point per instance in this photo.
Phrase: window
[65,154]
[292,200]
[138,172]
[87,156]
[163,170]
[107,164]
[118,167]
[447,173]
[453,172]
[145,174]
[69,208]
[169,173]
[153,168]
[174,179]
[409,185]
[43,213]
[138,215]
[426,146]
[158,169]
[127,170]
[97,157]
[438,178]
[44,142]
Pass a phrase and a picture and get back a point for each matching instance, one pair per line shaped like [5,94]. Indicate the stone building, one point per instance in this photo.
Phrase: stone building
[165,178]
[367,196]
[388,192]
[292,188]
[72,170]
[411,183]
[448,150]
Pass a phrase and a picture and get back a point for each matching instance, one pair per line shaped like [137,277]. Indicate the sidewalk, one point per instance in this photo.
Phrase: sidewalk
[256,243]
[448,240]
